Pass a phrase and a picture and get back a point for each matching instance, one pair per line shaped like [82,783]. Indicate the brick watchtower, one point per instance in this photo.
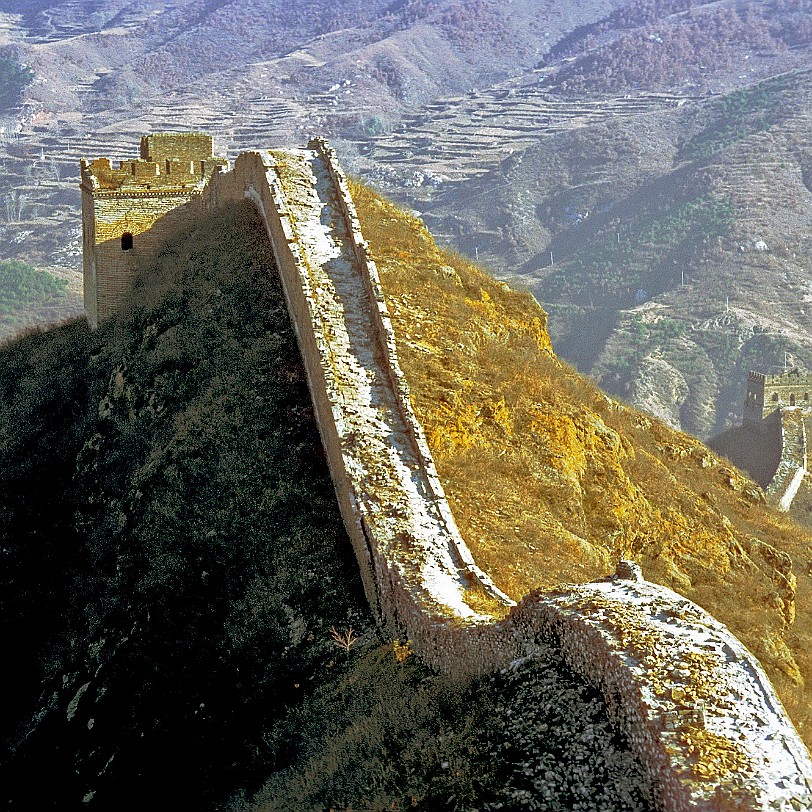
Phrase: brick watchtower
[122,208]
[766,393]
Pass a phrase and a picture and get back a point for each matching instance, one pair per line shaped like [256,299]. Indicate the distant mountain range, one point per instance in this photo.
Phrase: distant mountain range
[644,168]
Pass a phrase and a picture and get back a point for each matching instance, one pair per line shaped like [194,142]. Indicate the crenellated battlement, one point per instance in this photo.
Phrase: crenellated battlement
[787,390]
[136,175]
[123,204]
[167,161]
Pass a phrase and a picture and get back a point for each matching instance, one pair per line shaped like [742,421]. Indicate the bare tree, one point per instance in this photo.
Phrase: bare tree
[344,640]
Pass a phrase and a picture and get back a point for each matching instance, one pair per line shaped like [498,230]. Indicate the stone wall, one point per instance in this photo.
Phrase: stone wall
[771,445]
[385,338]
[109,271]
[766,393]
[694,705]
[676,682]
[254,176]
[793,465]
[693,702]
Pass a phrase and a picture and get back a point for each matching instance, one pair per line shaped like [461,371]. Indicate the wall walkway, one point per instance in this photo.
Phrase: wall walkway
[792,469]
[692,701]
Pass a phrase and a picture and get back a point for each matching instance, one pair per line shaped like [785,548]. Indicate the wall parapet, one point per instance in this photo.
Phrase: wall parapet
[383,325]
[792,467]
[694,705]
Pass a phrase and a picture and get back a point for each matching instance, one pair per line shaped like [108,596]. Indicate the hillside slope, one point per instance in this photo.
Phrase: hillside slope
[551,481]
[174,565]
[170,633]
[678,237]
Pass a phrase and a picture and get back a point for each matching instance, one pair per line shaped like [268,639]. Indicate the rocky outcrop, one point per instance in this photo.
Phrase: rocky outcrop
[694,702]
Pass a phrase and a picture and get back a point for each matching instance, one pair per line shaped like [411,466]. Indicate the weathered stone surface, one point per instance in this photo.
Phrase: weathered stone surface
[695,705]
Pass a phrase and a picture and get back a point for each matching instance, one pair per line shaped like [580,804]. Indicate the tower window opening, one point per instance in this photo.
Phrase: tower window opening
[126,241]
[775,397]
[792,400]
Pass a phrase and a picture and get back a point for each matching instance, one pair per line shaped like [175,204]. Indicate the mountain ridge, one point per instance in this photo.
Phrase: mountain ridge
[582,480]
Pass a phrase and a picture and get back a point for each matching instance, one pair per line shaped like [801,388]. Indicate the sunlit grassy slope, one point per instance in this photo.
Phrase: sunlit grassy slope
[551,481]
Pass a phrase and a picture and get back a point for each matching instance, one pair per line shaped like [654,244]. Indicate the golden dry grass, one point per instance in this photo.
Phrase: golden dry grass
[551,481]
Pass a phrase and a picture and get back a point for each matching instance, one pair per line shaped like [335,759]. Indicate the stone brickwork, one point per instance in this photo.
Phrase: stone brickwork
[695,706]
[766,393]
[176,146]
[129,210]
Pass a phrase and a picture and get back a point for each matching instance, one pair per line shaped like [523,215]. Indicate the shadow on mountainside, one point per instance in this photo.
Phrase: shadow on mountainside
[753,447]
[173,562]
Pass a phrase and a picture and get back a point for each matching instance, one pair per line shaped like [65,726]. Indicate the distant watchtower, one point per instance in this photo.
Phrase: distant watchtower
[766,393]
[122,208]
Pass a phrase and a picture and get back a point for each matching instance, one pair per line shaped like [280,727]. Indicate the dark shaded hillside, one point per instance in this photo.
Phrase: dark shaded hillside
[172,565]
[529,737]
[172,554]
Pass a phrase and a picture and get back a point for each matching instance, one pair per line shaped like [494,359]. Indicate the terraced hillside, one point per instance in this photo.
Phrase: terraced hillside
[461,139]
[668,247]
[105,72]
[498,153]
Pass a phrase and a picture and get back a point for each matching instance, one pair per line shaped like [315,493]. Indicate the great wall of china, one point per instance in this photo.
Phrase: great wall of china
[792,468]
[694,704]
[772,445]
